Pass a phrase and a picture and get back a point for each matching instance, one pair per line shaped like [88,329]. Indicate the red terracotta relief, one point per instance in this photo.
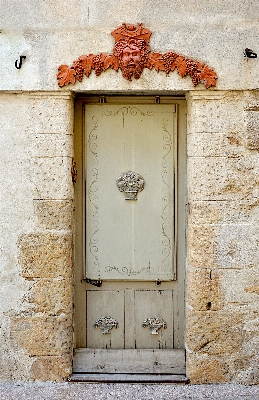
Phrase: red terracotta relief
[131,54]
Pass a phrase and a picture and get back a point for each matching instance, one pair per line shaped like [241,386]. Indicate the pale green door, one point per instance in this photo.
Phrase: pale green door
[131,160]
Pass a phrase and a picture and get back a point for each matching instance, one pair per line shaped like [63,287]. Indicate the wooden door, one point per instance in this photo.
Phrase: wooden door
[134,319]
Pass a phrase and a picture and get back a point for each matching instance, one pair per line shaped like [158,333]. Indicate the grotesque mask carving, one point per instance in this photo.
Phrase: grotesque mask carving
[131,54]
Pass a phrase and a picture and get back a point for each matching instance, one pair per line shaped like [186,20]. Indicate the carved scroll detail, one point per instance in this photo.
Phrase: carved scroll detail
[131,54]
[106,324]
[154,324]
[127,271]
[165,227]
[93,192]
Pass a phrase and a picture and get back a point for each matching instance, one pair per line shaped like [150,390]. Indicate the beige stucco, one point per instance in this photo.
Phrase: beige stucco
[36,136]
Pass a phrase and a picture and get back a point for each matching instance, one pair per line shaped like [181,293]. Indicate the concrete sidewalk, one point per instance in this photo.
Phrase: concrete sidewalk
[81,391]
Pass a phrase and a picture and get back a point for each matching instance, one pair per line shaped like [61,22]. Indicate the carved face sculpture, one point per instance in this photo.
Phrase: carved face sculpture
[131,57]
[132,54]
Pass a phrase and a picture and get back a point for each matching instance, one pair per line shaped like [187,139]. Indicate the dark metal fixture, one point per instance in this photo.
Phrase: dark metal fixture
[250,53]
[18,64]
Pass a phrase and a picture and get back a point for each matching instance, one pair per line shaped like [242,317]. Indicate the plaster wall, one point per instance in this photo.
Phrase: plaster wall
[50,33]
[36,134]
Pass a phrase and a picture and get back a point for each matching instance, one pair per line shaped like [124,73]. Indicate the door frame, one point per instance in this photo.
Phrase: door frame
[79,201]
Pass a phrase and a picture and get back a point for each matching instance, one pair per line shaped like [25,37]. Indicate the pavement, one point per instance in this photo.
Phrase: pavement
[110,391]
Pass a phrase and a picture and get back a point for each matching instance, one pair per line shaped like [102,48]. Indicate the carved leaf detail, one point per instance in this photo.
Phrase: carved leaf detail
[125,36]
[155,60]
[209,76]
[66,75]
[87,63]
[196,70]
[181,65]
[103,56]
[111,61]
[200,66]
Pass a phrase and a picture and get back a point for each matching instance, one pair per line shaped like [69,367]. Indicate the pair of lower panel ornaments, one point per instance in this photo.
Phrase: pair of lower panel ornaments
[153,323]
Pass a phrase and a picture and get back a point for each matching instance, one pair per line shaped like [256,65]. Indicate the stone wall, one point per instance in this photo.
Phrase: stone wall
[37,217]
[222,273]
[222,260]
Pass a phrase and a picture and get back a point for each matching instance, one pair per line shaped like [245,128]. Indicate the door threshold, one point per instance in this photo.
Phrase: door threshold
[129,378]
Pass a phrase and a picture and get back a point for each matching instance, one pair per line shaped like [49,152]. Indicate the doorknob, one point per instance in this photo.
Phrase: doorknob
[154,323]
[106,324]
[130,183]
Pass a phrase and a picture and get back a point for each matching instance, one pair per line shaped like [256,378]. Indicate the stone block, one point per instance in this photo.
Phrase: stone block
[252,289]
[203,289]
[52,178]
[251,328]
[223,178]
[30,114]
[215,145]
[221,212]
[51,368]
[205,212]
[251,100]
[201,242]
[51,296]
[236,246]
[50,114]
[201,370]
[54,214]
[52,145]
[41,335]
[45,255]
[202,331]
[240,289]
[221,113]
[214,332]
[249,375]
[244,365]
[252,129]
[14,366]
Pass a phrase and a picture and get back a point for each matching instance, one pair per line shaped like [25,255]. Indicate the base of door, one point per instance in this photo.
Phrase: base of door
[129,361]
[129,378]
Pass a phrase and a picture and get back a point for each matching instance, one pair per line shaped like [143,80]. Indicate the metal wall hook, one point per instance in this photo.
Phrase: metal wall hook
[18,64]
[250,53]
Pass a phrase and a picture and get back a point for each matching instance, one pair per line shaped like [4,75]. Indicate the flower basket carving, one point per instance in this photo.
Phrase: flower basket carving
[130,183]
[106,324]
[154,324]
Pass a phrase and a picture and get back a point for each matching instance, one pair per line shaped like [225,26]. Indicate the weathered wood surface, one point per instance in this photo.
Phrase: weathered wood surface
[130,308]
[130,240]
[129,361]
[129,378]
[138,303]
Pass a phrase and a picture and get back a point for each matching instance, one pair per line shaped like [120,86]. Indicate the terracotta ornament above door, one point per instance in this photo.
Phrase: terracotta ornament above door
[131,54]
